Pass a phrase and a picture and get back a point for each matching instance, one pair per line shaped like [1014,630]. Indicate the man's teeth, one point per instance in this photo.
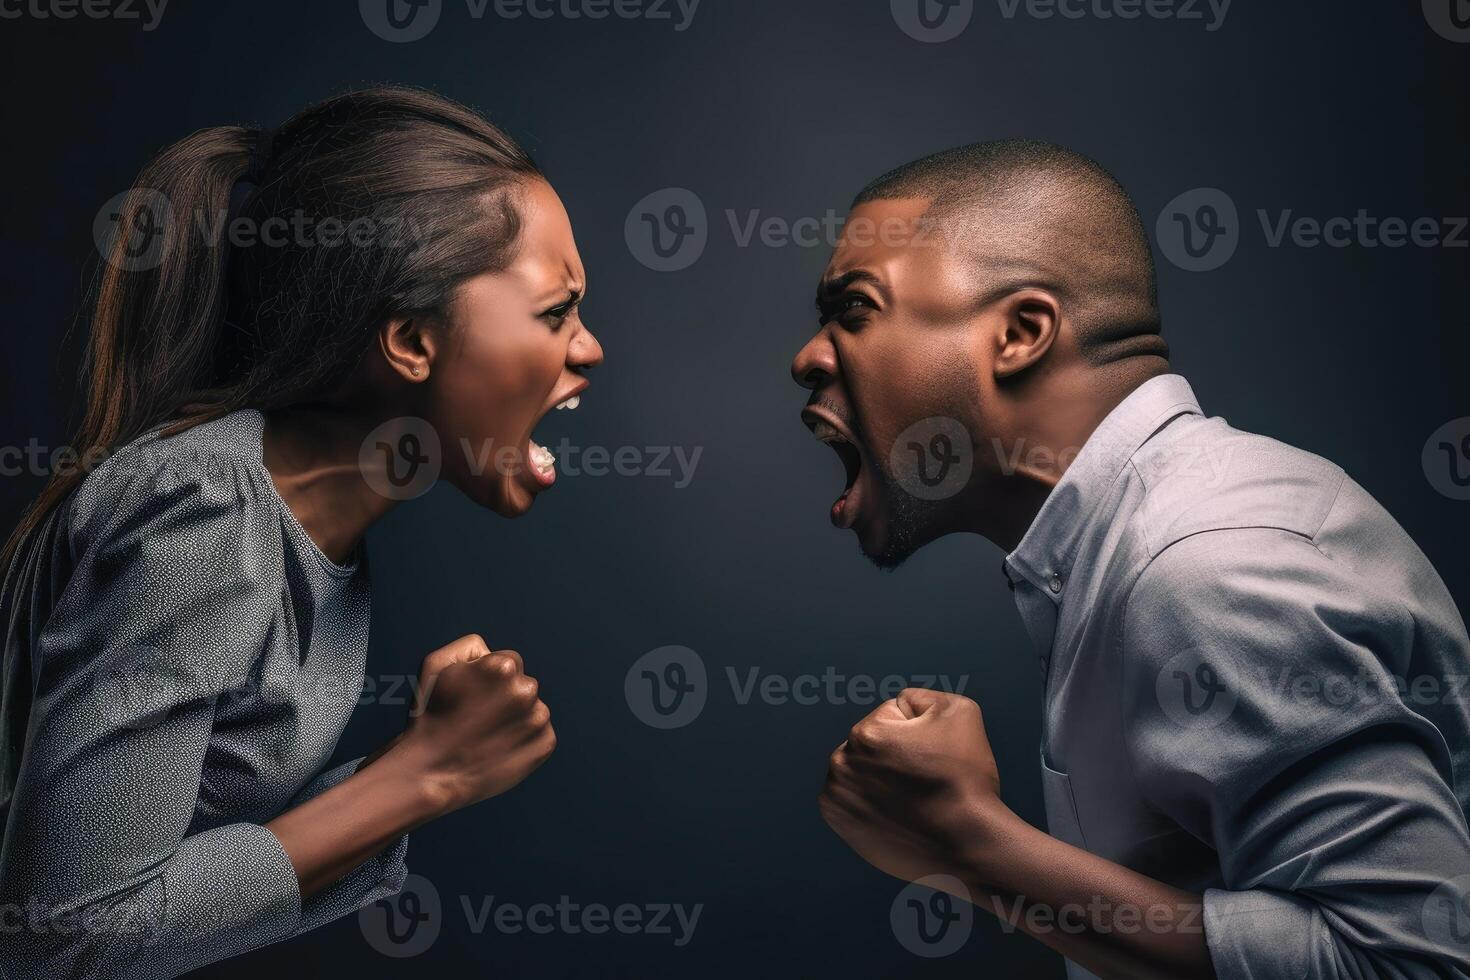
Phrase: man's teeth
[542,458]
[571,403]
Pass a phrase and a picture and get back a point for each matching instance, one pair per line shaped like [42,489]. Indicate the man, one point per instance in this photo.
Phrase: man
[1244,774]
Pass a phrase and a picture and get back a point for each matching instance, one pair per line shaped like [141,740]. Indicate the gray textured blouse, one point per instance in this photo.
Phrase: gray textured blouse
[179,662]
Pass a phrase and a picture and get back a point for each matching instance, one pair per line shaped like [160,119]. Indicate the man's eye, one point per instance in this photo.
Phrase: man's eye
[852,309]
[844,308]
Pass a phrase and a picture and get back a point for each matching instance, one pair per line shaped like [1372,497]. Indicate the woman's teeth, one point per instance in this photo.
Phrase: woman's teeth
[571,402]
[543,459]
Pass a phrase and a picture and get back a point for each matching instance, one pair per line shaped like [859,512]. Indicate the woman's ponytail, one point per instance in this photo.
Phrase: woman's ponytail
[197,317]
[160,300]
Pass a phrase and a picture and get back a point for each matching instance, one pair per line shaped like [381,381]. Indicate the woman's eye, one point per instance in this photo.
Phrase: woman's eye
[560,313]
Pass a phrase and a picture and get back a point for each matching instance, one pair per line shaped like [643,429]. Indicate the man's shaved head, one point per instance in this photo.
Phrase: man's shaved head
[966,351]
[1035,214]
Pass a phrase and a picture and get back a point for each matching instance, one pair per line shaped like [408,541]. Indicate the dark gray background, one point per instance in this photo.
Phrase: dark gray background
[786,107]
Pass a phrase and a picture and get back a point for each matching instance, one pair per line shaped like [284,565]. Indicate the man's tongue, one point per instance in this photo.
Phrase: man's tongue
[845,508]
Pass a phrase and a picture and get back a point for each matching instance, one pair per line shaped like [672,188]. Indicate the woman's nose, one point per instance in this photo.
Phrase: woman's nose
[585,350]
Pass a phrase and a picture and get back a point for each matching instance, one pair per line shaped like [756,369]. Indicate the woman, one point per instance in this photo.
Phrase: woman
[186,623]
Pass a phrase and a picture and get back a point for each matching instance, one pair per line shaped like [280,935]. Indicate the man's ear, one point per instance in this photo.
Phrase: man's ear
[408,347]
[1027,323]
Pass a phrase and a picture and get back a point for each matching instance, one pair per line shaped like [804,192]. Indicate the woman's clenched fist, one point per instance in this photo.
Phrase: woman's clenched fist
[479,726]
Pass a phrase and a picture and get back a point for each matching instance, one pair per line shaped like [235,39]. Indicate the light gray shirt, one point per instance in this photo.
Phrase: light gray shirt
[179,662]
[1255,690]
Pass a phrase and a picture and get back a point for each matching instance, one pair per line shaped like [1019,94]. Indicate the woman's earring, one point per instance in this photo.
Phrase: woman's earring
[416,372]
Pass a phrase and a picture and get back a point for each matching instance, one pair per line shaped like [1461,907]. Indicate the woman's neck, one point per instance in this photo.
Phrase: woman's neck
[313,454]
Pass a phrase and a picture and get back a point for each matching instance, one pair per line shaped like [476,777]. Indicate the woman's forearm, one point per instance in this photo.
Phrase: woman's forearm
[331,834]
[478,729]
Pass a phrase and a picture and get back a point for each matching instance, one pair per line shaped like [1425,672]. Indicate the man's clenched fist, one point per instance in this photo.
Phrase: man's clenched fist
[914,785]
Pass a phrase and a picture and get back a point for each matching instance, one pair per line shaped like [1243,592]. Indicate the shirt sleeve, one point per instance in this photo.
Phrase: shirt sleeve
[377,878]
[1266,719]
[169,603]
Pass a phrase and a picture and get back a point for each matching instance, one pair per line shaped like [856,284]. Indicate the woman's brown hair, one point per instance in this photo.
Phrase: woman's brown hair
[367,206]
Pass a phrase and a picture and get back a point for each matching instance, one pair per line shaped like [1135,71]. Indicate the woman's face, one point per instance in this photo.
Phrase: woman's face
[515,348]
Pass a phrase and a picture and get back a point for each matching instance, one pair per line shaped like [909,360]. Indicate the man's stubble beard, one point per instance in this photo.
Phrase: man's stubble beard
[913,522]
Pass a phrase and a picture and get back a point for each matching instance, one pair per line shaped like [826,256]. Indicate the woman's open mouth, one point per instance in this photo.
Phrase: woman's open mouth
[542,461]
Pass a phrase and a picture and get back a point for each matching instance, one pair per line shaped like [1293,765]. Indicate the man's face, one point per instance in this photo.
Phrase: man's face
[893,371]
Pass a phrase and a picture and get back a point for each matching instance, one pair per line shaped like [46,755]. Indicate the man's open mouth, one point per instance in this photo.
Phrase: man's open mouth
[847,507]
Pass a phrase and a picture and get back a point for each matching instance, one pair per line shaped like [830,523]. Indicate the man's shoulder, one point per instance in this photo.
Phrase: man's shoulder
[1200,475]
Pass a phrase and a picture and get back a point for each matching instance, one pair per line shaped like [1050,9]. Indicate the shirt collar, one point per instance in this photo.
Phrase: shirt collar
[1047,550]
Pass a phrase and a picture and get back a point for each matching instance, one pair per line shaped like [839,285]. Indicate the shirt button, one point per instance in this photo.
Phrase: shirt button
[1056,583]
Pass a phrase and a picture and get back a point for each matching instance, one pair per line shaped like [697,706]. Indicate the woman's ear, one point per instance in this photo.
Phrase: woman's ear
[1027,324]
[408,347]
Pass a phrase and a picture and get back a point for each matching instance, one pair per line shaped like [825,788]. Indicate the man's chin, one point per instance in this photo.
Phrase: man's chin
[892,539]
[883,548]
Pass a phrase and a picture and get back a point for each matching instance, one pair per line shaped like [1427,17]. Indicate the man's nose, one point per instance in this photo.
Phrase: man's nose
[815,365]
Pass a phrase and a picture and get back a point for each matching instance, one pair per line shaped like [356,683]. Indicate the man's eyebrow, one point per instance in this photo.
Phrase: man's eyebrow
[828,288]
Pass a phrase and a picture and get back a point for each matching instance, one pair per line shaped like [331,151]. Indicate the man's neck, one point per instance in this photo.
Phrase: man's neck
[1047,433]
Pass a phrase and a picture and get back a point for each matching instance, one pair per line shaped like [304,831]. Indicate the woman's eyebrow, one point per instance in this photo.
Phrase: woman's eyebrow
[562,294]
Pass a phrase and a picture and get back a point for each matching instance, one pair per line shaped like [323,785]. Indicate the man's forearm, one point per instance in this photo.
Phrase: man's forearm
[1117,923]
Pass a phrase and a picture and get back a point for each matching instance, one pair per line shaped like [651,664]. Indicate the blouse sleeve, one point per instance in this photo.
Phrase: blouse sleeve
[170,603]
[377,878]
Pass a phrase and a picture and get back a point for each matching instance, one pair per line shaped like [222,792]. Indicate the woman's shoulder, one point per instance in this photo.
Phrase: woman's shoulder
[210,468]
